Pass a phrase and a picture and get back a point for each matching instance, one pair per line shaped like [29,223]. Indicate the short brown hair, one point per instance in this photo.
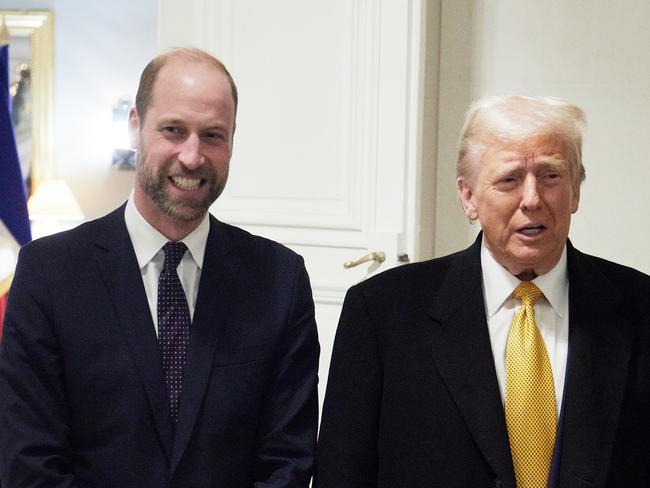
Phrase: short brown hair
[150,73]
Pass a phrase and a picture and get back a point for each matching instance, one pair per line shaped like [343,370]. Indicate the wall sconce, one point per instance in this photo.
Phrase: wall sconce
[53,208]
[123,155]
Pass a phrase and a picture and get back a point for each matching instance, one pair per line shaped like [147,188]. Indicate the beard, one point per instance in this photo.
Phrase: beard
[155,182]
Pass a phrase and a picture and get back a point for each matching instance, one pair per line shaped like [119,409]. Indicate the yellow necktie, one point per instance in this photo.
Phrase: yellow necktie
[530,394]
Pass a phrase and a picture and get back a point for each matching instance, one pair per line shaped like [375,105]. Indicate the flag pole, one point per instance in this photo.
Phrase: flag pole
[4,32]
[14,218]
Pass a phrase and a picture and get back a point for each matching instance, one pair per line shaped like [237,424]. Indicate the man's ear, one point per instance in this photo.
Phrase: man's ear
[466,197]
[232,137]
[575,198]
[134,129]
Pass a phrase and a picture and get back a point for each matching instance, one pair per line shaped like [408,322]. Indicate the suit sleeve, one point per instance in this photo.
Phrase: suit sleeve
[289,421]
[34,449]
[347,449]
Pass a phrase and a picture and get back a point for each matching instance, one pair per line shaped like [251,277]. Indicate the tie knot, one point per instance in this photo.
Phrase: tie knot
[528,293]
[174,252]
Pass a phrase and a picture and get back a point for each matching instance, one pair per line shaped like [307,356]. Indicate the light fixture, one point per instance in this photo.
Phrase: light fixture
[53,208]
[123,155]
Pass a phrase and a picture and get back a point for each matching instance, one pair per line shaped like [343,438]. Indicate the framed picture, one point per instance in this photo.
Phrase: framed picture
[31,56]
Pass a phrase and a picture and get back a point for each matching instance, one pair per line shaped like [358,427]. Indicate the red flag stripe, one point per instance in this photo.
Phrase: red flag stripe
[3,306]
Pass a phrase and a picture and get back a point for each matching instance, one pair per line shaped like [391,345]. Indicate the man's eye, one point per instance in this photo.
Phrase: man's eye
[214,136]
[172,130]
[507,180]
[506,183]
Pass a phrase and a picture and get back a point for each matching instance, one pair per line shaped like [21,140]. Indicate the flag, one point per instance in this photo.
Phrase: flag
[15,230]
[8,258]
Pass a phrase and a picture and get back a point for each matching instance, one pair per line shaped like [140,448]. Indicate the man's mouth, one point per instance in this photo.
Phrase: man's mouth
[184,183]
[532,230]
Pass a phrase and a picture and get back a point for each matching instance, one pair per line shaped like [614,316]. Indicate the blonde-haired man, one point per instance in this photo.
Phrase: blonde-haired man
[518,362]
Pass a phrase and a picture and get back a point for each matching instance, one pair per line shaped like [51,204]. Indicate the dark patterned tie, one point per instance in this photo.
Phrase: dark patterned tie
[173,324]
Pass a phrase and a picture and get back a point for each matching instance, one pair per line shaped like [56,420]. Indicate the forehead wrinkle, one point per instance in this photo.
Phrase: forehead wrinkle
[504,161]
[190,117]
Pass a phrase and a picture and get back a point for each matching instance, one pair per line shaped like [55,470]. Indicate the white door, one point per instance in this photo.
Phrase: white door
[325,152]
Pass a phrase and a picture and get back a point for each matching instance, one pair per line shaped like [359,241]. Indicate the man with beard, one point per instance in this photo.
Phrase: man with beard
[157,346]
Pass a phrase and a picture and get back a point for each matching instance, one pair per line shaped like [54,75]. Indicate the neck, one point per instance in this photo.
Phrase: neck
[175,231]
[527,275]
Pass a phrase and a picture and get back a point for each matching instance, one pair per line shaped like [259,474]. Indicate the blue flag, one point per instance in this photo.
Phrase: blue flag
[13,202]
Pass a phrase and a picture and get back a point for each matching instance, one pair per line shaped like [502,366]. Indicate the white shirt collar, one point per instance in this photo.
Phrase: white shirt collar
[147,241]
[499,283]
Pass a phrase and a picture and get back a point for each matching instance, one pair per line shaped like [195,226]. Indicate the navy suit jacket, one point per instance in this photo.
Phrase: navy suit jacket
[82,393]
[412,398]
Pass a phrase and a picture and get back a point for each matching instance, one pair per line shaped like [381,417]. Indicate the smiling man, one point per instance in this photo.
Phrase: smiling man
[183,130]
[519,362]
[156,346]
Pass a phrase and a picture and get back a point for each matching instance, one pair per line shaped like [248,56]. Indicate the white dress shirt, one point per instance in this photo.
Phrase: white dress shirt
[147,244]
[551,315]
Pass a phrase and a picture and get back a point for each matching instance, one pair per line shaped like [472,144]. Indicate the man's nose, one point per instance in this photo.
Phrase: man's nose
[190,154]
[530,199]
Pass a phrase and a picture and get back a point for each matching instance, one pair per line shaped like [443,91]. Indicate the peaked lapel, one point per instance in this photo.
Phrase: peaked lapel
[463,356]
[119,270]
[600,345]
[209,321]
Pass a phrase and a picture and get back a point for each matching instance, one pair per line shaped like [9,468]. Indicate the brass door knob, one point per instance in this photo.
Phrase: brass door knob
[377,256]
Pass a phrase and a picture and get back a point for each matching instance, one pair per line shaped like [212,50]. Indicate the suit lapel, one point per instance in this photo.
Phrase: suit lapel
[119,269]
[462,353]
[208,322]
[600,344]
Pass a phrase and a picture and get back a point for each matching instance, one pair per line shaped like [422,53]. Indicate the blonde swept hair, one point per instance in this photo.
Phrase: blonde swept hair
[514,119]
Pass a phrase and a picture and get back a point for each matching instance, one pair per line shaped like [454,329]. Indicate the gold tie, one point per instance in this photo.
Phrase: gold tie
[530,394]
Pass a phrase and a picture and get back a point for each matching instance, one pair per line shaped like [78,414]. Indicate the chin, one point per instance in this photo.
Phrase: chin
[187,214]
[528,261]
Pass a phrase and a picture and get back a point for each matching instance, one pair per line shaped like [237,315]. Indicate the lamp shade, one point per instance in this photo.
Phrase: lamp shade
[53,200]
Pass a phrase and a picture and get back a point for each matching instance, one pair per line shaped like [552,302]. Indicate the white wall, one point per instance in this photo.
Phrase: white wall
[593,53]
[326,141]
[100,49]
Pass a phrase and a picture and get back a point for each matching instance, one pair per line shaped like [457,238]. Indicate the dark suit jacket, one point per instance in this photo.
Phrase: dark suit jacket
[82,394]
[413,401]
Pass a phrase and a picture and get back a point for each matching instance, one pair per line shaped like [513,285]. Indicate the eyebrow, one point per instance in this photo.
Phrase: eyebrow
[172,121]
[515,164]
[216,127]
[176,121]
[552,162]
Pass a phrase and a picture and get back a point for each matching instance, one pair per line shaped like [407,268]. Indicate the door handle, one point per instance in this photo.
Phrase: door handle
[377,256]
